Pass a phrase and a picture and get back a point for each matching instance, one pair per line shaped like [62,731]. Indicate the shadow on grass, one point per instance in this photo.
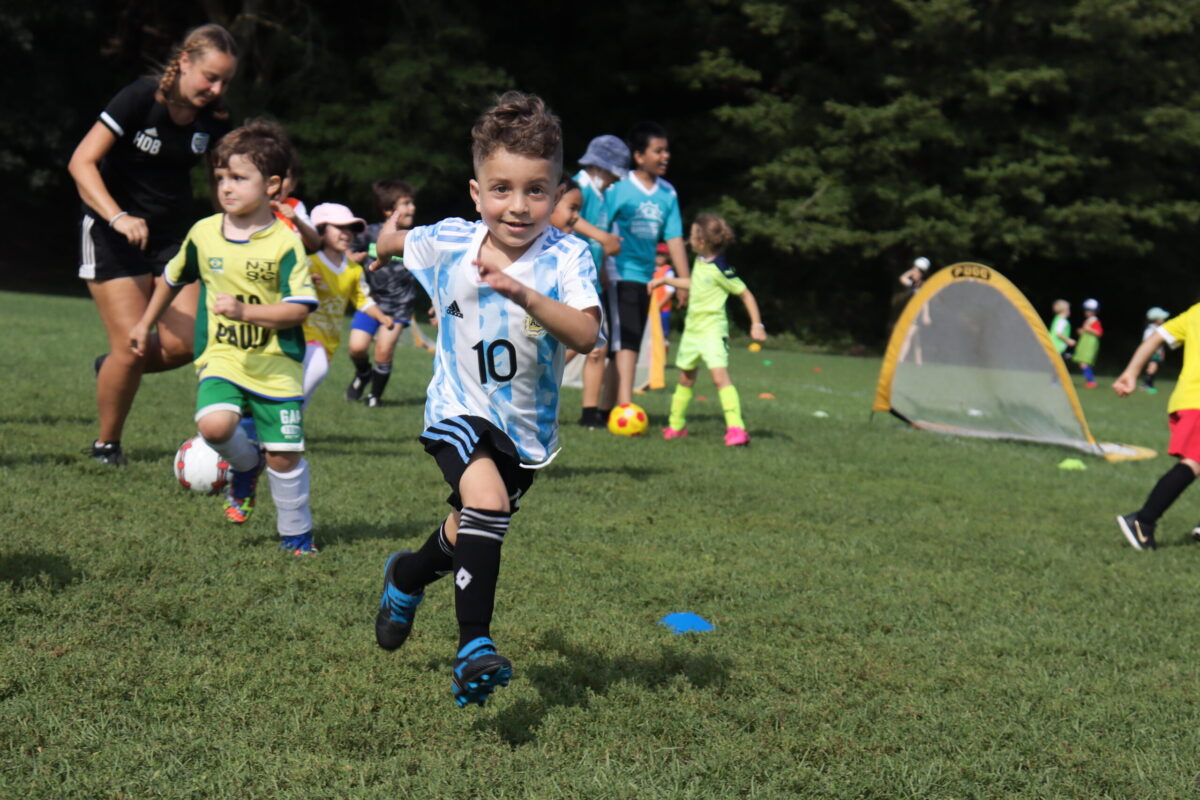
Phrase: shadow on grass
[26,570]
[331,535]
[583,673]
[638,473]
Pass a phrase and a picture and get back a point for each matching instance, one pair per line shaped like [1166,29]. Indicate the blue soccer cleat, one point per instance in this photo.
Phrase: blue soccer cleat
[394,621]
[300,545]
[479,671]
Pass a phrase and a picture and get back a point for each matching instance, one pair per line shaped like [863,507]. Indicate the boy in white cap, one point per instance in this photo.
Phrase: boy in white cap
[1154,317]
[338,280]
[605,162]
[915,276]
[1088,346]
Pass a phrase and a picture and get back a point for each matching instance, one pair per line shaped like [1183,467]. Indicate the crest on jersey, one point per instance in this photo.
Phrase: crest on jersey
[216,265]
[533,328]
[199,143]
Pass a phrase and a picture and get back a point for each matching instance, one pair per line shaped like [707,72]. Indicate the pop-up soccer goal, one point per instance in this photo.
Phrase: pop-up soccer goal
[970,356]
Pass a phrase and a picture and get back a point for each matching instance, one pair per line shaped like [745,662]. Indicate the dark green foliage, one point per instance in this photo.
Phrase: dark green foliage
[1054,141]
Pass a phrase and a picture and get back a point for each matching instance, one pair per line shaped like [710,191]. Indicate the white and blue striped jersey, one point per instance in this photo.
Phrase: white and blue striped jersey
[494,360]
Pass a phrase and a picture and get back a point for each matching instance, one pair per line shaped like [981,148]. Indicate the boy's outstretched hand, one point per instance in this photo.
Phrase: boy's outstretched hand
[758,332]
[506,285]
[390,241]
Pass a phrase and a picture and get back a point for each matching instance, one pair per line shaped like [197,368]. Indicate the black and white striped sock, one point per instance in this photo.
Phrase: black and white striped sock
[435,558]
[476,570]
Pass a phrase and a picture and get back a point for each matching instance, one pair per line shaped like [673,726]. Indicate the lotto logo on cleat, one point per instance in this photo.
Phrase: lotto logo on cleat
[452,309]
[462,578]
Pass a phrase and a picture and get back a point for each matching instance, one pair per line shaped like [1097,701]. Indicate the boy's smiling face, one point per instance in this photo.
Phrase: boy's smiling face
[655,158]
[515,196]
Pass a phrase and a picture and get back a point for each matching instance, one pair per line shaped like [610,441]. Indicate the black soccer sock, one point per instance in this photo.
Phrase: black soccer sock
[362,367]
[1148,380]
[1165,492]
[476,569]
[379,378]
[435,559]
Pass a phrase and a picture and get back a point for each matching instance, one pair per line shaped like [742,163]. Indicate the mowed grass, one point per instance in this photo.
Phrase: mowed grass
[898,614]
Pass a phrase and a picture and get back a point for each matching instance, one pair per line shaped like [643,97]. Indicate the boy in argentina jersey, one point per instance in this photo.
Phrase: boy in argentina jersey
[255,292]
[511,294]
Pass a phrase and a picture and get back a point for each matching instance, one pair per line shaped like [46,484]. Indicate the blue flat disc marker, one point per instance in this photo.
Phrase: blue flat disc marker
[686,622]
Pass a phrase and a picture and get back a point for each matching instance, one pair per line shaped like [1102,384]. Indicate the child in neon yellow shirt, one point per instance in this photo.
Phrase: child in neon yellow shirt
[706,328]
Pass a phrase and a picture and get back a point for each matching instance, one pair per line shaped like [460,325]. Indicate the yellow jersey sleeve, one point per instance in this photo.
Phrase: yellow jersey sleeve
[360,294]
[1177,327]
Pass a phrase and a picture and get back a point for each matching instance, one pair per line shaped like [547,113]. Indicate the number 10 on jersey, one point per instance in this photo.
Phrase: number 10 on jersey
[497,360]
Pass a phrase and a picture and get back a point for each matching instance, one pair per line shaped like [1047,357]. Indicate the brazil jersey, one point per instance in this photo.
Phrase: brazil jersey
[642,218]
[493,359]
[336,284]
[712,283]
[594,211]
[1185,329]
[268,268]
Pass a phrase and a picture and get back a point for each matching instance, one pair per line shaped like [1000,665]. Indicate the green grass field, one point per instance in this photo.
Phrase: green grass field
[898,614]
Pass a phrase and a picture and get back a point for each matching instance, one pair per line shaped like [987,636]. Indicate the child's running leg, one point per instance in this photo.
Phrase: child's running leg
[482,525]
[731,406]
[677,422]
[385,347]
[362,330]
[219,422]
[1138,527]
[405,577]
[288,475]
[1089,375]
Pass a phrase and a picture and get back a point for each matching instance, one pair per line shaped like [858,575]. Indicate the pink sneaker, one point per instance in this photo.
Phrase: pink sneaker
[671,433]
[736,437]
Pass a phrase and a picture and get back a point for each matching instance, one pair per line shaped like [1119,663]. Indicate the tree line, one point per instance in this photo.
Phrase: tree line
[1051,140]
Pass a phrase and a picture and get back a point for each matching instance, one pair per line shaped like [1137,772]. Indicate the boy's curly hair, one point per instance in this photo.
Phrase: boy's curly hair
[714,232]
[263,141]
[522,124]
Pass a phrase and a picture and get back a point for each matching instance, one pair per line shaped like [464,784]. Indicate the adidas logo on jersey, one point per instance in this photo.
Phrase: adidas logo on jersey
[452,309]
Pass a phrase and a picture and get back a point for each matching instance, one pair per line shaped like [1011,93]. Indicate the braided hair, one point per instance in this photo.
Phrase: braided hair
[197,41]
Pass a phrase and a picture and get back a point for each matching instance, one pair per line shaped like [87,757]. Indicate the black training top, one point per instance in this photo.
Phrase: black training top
[147,170]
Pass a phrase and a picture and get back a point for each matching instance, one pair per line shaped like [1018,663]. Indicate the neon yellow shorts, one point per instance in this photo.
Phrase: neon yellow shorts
[712,349]
[280,423]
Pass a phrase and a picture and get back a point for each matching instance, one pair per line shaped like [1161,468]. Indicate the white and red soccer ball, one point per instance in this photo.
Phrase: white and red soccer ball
[628,419]
[200,468]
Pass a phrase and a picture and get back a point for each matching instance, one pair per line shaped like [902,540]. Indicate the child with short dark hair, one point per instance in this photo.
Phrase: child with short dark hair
[706,328]
[394,290]
[512,294]
[249,354]
[643,210]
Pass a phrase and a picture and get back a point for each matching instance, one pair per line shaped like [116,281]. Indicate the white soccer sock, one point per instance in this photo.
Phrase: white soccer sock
[289,490]
[238,450]
[316,367]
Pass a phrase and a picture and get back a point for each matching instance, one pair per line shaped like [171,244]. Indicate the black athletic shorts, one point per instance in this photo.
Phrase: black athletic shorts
[627,304]
[453,441]
[104,253]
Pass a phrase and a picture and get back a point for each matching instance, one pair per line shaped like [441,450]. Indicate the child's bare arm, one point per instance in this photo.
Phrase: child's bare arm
[308,234]
[390,243]
[758,331]
[1127,381]
[679,261]
[678,283]
[575,328]
[276,316]
[609,242]
[164,293]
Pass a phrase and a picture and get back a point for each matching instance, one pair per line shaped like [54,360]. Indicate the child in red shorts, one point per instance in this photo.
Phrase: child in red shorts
[1184,421]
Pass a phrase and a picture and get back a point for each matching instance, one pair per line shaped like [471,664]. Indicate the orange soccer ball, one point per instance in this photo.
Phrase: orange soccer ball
[628,419]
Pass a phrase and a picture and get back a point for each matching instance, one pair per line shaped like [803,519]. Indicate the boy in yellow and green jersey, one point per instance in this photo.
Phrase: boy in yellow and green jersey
[255,294]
